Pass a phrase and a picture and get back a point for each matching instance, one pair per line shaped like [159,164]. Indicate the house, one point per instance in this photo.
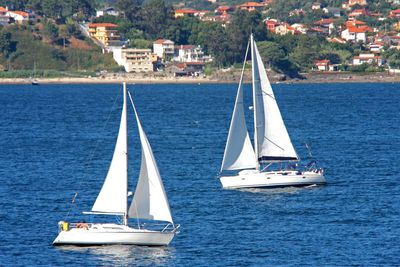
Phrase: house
[368,59]
[376,47]
[19,17]
[351,3]
[336,40]
[322,65]
[394,13]
[164,49]
[356,34]
[223,9]
[335,11]
[188,69]
[185,13]
[105,33]
[358,12]
[251,6]
[299,28]
[135,60]
[107,11]
[284,28]
[188,53]
[271,24]
[326,24]
[316,6]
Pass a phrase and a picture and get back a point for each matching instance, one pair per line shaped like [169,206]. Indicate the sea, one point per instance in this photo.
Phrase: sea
[56,143]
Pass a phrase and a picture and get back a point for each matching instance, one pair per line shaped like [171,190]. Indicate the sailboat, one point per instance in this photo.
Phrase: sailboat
[246,167]
[149,206]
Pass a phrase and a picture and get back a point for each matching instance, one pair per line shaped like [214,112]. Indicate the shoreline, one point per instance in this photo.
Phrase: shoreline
[317,77]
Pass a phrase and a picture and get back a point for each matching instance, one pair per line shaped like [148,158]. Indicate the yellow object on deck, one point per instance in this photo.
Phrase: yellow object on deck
[65,226]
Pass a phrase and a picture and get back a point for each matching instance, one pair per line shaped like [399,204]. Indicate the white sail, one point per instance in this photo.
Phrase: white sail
[239,153]
[113,195]
[271,139]
[150,200]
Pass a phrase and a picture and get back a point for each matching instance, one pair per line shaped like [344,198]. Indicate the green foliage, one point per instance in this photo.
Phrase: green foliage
[30,52]
[393,58]
[51,30]
[7,45]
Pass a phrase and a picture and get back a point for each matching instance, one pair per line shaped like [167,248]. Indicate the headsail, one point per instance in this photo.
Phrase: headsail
[239,153]
[113,195]
[150,200]
[271,139]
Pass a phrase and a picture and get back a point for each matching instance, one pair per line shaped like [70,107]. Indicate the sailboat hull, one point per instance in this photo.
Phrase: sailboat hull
[113,235]
[256,179]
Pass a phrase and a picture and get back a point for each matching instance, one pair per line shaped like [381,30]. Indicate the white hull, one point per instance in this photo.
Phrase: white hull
[113,234]
[253,178]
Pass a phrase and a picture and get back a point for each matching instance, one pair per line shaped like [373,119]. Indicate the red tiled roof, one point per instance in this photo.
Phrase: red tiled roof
[323,21]
[251,4]
[360,29]
[2,9]
[186,11]
[21,13]
[109,25]
[161,41]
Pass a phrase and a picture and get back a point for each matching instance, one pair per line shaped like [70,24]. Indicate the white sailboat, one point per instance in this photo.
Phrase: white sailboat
[149,203]
[252,167]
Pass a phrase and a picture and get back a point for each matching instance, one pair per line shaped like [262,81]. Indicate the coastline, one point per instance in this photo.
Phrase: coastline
[227,77]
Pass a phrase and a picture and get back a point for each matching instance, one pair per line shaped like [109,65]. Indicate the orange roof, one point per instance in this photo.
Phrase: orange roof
[21,13]
[251,4]
[2,9]
[161,41]
[323,21]
[109,25]
[186,11]
[360,29]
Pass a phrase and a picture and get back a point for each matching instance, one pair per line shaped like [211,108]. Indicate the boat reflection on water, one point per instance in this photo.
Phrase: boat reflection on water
[120,255]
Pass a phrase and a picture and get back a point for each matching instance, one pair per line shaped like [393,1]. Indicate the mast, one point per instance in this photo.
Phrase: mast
[253,75]
[126,151]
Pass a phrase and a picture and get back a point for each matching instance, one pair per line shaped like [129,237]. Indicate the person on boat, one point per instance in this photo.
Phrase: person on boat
[82,225]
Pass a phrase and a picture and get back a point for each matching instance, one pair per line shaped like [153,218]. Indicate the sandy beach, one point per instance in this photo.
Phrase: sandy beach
[225,77]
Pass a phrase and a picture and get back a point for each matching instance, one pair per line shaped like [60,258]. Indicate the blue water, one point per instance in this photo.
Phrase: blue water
[56,140]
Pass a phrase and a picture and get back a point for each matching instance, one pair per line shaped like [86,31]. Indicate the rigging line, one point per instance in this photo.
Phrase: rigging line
[281,148]
[91,156]
[270,95]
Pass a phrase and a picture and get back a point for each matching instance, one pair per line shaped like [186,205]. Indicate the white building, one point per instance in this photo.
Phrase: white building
[107,11]
[19,16]
[188,53]
[368,58]
[354,34]
[135,60]
[163,48]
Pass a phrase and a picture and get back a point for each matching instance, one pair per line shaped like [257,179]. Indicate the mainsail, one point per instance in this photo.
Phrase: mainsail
[150,200]
[271,139]
[239,153]
[113,195]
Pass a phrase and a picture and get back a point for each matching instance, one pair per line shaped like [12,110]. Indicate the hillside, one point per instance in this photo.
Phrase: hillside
[59,52]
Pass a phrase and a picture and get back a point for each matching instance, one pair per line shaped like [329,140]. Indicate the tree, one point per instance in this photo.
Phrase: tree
[271,52]
[51,31]
[156,16]
[7,46]
[132,10]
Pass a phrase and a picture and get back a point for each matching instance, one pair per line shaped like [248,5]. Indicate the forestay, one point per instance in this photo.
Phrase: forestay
[113,195]
[271,139]
[150,200]
[239,153]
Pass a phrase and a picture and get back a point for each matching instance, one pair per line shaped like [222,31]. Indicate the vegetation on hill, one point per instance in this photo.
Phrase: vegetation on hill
[58,43]
[45,46]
